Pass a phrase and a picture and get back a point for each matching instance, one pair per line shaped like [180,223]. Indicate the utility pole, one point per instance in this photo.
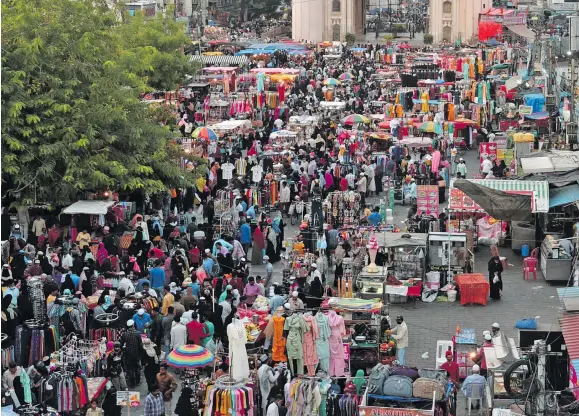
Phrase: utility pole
[572,88]
[541,375]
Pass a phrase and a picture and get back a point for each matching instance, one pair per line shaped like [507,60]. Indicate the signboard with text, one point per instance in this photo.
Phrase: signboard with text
[128,398]
[347,358]
[488,149]
[427,199]
[392,411]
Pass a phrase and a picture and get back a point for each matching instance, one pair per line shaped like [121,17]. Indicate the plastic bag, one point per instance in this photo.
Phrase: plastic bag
[527,323]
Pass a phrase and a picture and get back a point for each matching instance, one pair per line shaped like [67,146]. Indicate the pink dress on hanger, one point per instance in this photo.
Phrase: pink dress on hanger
[310,353]
[337,332]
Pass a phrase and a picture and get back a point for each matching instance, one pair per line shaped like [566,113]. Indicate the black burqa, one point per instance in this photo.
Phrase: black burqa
[495,266]
[184,407]
[315,293]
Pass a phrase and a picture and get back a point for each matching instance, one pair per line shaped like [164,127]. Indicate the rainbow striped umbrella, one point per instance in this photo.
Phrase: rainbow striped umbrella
[355,118]
[346,76]
[190,356]
[332,81]
[204,133]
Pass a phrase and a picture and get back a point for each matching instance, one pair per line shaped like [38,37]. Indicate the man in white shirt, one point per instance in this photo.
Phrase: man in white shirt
[351,180]
[273,408]
[179,334]
[126,285]
[486,166]
[267,376]
[400,333]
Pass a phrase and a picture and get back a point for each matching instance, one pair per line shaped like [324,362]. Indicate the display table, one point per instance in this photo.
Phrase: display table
[414,291]
[473,288]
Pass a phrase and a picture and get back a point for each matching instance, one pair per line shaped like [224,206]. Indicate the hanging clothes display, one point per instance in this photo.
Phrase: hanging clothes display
[310,337]
[222,400]
[323,341]
[278,348]
[337,332]
[297,327]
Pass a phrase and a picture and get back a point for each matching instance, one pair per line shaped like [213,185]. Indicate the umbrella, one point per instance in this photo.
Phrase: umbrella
[355,118]
[461,123]
[427,127]
[332,81]
[204,133]
[384,124]
[346,76]
[190,356]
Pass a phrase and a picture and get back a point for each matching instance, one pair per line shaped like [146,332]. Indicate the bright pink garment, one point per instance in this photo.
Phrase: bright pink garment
[337,332]
[435,161]
[310,353]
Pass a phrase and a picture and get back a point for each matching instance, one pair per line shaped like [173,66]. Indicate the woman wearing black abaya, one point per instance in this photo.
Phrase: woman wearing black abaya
[314,298]
[495,278]
[9,317]
[44,264]
[67,284]
[184,407]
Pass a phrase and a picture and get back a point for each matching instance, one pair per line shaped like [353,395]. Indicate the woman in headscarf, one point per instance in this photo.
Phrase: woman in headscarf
[258,246]
[9,316]
[495,278]
[102,254]
[68,284]
[271,248]
[184,407]
[150,361]
[314,299]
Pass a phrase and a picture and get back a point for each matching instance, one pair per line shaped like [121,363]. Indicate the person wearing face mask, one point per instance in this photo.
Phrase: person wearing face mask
[400,333]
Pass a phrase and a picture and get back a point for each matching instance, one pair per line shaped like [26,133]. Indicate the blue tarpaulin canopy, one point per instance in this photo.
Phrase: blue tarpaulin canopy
[537,101]
[564,195]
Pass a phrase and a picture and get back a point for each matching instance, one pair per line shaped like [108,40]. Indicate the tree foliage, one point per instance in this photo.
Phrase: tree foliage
[72,118]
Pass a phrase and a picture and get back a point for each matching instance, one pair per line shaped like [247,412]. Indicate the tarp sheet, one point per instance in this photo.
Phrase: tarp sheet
[563,196]
[499,205]
[554,179]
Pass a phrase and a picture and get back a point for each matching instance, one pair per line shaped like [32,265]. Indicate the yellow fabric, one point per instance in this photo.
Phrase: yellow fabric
[168,300]
[200,184]
[399,111]
[300,247]
[424,98]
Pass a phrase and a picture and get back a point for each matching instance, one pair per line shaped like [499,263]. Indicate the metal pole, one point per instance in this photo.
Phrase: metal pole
[572,89]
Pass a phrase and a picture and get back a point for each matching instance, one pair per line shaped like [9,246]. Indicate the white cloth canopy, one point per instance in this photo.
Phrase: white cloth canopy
[231,125]
[89,207]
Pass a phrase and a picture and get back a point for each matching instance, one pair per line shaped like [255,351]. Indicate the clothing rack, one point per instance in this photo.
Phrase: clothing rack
[36,295]
[81,353]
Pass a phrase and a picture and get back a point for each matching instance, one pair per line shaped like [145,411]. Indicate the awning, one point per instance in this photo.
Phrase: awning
[563,196]
[220,60]
[540,190]
[89,207]
[570,328]
[522,31]
[569,297]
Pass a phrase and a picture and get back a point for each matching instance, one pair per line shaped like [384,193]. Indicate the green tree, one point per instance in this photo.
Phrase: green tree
[152,49]
[72,118]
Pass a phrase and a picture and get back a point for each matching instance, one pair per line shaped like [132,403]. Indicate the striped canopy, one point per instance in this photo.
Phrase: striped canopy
[223,60]
[190,356]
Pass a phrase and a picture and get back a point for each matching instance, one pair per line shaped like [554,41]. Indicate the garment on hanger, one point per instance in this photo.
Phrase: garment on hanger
[297,327]
[238,362]
[279,342]
[323,341]
[337,332]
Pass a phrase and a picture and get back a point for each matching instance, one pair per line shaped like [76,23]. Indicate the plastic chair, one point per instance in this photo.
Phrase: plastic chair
[535,253]
[530,266]
[476,392]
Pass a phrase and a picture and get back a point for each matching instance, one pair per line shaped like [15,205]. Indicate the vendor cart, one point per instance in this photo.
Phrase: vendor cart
[464,349]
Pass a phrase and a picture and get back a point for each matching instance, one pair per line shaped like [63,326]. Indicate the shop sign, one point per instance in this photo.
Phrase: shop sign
[391,411]
[488,149]
[427,199]
[128,398]
[525,109]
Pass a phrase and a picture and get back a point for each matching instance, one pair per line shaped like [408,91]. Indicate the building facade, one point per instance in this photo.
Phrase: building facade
[453,20]
[327,20]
